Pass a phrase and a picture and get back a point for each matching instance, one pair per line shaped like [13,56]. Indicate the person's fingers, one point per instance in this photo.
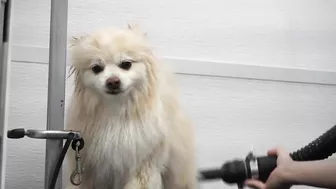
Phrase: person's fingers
[272,152]
[276,151]
[255,184]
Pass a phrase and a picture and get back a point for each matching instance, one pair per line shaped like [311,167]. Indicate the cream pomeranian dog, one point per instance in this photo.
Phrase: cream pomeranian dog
[126,105]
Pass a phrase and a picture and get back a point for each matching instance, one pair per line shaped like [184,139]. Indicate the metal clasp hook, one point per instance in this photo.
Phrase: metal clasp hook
[78,172]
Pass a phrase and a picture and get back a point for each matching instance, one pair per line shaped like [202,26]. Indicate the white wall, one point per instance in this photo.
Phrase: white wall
[234,106]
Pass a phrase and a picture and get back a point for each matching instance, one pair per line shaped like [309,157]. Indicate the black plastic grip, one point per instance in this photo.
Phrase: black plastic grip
[231,172]
[16,133]
[234,172]
[266,165]
[211,174]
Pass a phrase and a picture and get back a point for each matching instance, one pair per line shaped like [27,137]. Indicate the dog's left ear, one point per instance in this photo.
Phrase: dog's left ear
[136,29]
[75,40]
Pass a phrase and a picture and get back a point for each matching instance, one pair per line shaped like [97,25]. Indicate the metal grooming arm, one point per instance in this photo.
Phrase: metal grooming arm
[42,134]
[5,22]
[73,138]
[56,85]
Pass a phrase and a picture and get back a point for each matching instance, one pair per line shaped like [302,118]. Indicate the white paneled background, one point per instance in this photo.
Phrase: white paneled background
[259,72]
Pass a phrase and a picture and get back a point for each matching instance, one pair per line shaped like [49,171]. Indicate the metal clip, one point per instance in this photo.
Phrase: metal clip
[253,164]
[78,172]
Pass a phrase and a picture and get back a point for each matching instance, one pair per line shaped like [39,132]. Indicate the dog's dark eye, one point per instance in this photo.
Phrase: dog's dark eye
[97,69]
[126,64]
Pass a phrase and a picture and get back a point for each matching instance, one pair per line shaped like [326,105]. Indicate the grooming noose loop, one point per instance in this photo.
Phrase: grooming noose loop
[77,174]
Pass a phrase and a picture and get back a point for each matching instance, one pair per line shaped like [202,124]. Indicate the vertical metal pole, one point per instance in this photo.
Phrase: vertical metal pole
[56,85]
[5,59]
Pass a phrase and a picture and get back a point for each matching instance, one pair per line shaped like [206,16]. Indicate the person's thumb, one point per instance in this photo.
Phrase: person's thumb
[255,184]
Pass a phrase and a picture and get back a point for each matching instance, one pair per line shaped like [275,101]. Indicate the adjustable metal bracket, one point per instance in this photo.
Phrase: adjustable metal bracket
[42,134]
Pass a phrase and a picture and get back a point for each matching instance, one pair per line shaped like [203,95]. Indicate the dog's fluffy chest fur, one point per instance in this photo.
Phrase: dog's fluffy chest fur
[115,146]
[124,143]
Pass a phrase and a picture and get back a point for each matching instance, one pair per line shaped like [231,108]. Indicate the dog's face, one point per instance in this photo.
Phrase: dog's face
[112,62]
[114,74]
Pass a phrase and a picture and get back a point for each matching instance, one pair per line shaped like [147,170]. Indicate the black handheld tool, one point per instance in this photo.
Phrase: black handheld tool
[238,170]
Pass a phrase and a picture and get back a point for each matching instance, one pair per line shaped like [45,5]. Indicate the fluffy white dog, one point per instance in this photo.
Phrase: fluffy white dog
[126,105]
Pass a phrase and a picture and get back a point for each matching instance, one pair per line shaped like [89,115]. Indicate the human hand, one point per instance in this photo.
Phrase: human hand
[277,179]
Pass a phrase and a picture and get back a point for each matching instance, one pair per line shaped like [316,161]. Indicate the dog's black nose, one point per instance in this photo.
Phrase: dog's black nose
[113,83]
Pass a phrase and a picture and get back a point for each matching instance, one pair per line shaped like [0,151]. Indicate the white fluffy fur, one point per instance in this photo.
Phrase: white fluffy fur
[140,138]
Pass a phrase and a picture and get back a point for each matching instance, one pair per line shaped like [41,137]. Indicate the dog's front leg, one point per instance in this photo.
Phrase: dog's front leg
[146,178]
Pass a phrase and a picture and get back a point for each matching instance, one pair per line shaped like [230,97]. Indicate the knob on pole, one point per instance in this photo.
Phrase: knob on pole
[16,133]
